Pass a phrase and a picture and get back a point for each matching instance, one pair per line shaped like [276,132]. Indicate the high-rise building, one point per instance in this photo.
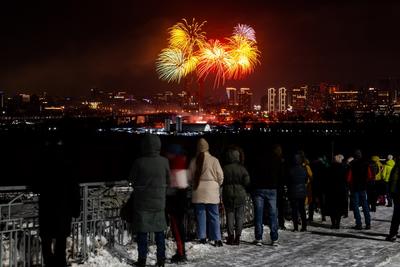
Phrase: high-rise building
[392,85]
[299,97]
[271,100]
[345,99]
[282,99]
[245,99]
[232,95]
[178,124]
[2,101]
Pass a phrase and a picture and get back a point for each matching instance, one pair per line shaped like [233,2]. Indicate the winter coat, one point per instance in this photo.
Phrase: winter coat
[266,172]
[297,179]
[59,199]
[394,181]
[211,179]
[150,175]
[336,193]
[387,169]
[376,168]
[358,175]
[236,179]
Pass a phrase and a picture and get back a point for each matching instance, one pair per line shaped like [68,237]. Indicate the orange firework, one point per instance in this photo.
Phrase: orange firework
[244,56]
[213,59]
[189,51]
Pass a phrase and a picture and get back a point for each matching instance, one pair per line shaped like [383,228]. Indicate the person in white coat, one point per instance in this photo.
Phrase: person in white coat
[206,177]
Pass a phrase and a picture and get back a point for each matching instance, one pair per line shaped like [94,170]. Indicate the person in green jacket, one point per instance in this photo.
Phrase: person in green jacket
[150,175]
[387,170]
[234,195]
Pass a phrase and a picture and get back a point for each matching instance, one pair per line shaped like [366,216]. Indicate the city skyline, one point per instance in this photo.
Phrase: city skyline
[67,48]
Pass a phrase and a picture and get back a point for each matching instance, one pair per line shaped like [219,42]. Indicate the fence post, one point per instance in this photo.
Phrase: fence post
[84,220]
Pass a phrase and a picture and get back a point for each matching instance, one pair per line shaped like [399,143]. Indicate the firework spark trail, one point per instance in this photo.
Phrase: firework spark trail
[172,65]
[213,59]
[244,56]
[180,59]
[189,51]
[187,36]
[245,31]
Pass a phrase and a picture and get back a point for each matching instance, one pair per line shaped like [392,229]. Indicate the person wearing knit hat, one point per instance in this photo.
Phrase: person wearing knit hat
[206,176]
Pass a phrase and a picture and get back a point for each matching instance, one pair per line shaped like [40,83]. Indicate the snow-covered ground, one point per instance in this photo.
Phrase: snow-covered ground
[319,246]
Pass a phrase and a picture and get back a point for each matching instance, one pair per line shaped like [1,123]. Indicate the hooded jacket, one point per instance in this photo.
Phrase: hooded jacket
[150,176]
[236,179]
[211,177]
[387,169]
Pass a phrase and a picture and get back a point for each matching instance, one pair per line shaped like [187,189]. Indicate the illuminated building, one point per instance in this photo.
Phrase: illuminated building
[271,100]
[282,99]
[245,99]
[345,99]
[299,97]
[2,102]
[178,123]
[232,95]
[392,86]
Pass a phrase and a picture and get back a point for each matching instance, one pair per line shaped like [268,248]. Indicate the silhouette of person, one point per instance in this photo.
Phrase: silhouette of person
[59,201]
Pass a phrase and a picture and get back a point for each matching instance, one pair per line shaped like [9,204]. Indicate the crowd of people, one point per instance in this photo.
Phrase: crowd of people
[165,183]
[278,187]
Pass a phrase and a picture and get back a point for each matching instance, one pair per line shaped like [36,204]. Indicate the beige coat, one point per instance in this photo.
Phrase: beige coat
[212,176]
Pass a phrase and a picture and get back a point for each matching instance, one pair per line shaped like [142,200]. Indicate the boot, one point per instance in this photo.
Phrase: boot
[140,262]
[237,240]
[160,262]
[230,240]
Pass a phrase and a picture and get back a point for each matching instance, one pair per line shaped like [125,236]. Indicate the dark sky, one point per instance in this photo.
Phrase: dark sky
[67,47]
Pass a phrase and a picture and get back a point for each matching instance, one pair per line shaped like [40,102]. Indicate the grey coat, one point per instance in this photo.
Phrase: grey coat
[236,179]
[150,176]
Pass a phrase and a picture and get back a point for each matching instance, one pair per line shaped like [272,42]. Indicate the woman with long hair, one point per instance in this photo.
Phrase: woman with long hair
[207,176]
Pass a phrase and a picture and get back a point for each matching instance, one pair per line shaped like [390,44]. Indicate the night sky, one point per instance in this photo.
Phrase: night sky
[68,47]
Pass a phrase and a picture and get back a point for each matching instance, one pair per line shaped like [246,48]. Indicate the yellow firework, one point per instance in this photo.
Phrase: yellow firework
[244,56]
[213,59]
[172,64]
[187,36]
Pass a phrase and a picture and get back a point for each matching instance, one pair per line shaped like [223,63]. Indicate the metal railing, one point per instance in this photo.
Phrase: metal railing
[98,225]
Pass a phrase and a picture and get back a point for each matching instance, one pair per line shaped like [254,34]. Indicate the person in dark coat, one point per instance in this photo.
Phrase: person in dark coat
[336,193]
[59,201]
[297,179]
[266,174]
[150,175]
[320,172]
[236,179]
[358,177]
[394,183]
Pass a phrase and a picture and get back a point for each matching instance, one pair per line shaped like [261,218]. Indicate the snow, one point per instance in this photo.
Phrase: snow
[319,246]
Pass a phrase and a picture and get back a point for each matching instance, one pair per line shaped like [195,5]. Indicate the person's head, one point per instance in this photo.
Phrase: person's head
[150,145]
[202,145]
[338,158]
[357,154]
[175,149]
[390,157]
[277,150]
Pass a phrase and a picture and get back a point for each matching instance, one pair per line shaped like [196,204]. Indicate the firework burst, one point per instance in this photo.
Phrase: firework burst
[245,31]
[187,36]
[213,59]
[172,65]
[189,51]
[244,56]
